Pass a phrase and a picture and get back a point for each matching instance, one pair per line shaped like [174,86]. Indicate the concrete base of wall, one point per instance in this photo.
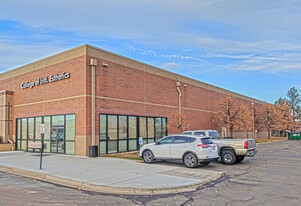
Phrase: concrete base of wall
[5,147]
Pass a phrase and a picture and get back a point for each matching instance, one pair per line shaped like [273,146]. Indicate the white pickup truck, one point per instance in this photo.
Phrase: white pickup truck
[230,150]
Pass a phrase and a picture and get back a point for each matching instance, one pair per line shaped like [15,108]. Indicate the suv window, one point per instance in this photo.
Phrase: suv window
[188,133]
[202,134]
[207,141]
[191,139]
[166,140]
[180,140]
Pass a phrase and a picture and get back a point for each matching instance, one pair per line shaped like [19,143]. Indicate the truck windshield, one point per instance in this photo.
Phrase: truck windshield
[214,135]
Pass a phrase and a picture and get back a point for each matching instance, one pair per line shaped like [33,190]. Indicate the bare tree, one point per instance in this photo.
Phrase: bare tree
[178,122]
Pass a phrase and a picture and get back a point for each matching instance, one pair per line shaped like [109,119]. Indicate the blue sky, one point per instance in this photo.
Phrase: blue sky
[252,47]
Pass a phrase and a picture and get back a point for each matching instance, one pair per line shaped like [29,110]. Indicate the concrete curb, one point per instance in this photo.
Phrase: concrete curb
[105,189]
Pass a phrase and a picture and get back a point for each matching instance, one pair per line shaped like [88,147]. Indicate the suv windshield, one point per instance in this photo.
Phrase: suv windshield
[214,135]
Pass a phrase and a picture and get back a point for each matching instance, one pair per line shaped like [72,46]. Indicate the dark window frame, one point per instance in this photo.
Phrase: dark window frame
[106,140]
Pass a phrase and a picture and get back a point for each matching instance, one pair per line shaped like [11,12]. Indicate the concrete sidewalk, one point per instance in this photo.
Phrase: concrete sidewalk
[108,175]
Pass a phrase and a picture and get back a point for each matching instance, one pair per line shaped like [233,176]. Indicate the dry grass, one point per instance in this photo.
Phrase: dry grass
[272,139]
[124,155]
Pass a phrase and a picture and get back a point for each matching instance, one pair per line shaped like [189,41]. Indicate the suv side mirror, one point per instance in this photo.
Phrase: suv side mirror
[156,143]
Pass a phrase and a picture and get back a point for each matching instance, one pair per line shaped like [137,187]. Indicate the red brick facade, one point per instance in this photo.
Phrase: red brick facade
[123,87]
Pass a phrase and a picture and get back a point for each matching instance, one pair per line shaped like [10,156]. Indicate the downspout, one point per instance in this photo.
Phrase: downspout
[93,64]
[180,94]
[8,138]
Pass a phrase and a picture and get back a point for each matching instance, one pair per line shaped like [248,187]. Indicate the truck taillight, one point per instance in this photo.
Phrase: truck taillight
[246,144]
[203,145]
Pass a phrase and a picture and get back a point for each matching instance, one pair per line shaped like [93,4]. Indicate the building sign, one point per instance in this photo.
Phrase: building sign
[45,80]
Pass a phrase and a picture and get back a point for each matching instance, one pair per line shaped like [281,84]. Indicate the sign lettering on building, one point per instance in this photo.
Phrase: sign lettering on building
[45,80]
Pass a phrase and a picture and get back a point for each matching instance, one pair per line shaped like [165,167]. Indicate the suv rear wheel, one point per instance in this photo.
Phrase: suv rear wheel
[228,157]
[148,157]
[190,160]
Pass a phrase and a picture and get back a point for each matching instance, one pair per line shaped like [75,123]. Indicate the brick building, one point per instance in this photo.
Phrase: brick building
[86,89]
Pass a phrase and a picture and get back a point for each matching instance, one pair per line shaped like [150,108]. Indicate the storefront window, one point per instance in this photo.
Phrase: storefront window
[38,128]
[56,129]
[122,127]
[112,127]
[123,132]
[103,127]
[30,128]
[18,134]
[158,127]
[150,129]
[70,127]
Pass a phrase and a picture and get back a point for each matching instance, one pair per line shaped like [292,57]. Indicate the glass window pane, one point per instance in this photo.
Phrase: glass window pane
[31,128]
[24,129]
[112,146]
[166,140]
[102,147]
[70,147]
[19,129]
[47,128]
[37,150]
[133,128]
[38,127]
[164,131]
[112,127]
[122,145]
[58,120]
[180,140]
[23,145]
[29,149]
[132,144]
[46,146]
[158,128]
[103,127]
[151,140]
[151,127]
[70,128]
[122,127]
[18,145]
[142,127]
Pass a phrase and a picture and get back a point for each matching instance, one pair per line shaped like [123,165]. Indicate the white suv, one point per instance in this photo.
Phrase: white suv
[190,149]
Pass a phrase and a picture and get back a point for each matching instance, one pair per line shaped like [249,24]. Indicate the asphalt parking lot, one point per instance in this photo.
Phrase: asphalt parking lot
[272,177]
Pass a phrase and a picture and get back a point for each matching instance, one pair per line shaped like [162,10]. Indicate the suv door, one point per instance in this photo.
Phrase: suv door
[179,146]
[162,149]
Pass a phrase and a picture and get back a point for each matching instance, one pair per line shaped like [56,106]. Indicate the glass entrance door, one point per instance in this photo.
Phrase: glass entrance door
[58,139]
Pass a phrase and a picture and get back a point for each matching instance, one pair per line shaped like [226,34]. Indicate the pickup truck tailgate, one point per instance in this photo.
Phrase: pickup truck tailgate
[251,143]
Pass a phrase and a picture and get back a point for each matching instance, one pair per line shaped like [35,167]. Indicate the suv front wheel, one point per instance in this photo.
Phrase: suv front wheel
[190,160]
[148,157]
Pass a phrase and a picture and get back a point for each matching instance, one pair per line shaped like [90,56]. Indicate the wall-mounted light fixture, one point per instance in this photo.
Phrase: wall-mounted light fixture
[105,64]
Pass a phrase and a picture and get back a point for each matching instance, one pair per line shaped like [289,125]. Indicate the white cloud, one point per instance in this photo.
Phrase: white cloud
[15,54]
[170,65]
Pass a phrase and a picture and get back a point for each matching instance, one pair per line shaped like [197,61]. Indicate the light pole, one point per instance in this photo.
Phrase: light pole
[253,122]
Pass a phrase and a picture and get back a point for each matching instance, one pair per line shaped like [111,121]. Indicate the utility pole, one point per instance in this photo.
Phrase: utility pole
[253,122]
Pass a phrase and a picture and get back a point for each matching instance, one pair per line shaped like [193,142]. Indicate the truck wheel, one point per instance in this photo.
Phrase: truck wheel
[240,158]
[190,160]
[228,157]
